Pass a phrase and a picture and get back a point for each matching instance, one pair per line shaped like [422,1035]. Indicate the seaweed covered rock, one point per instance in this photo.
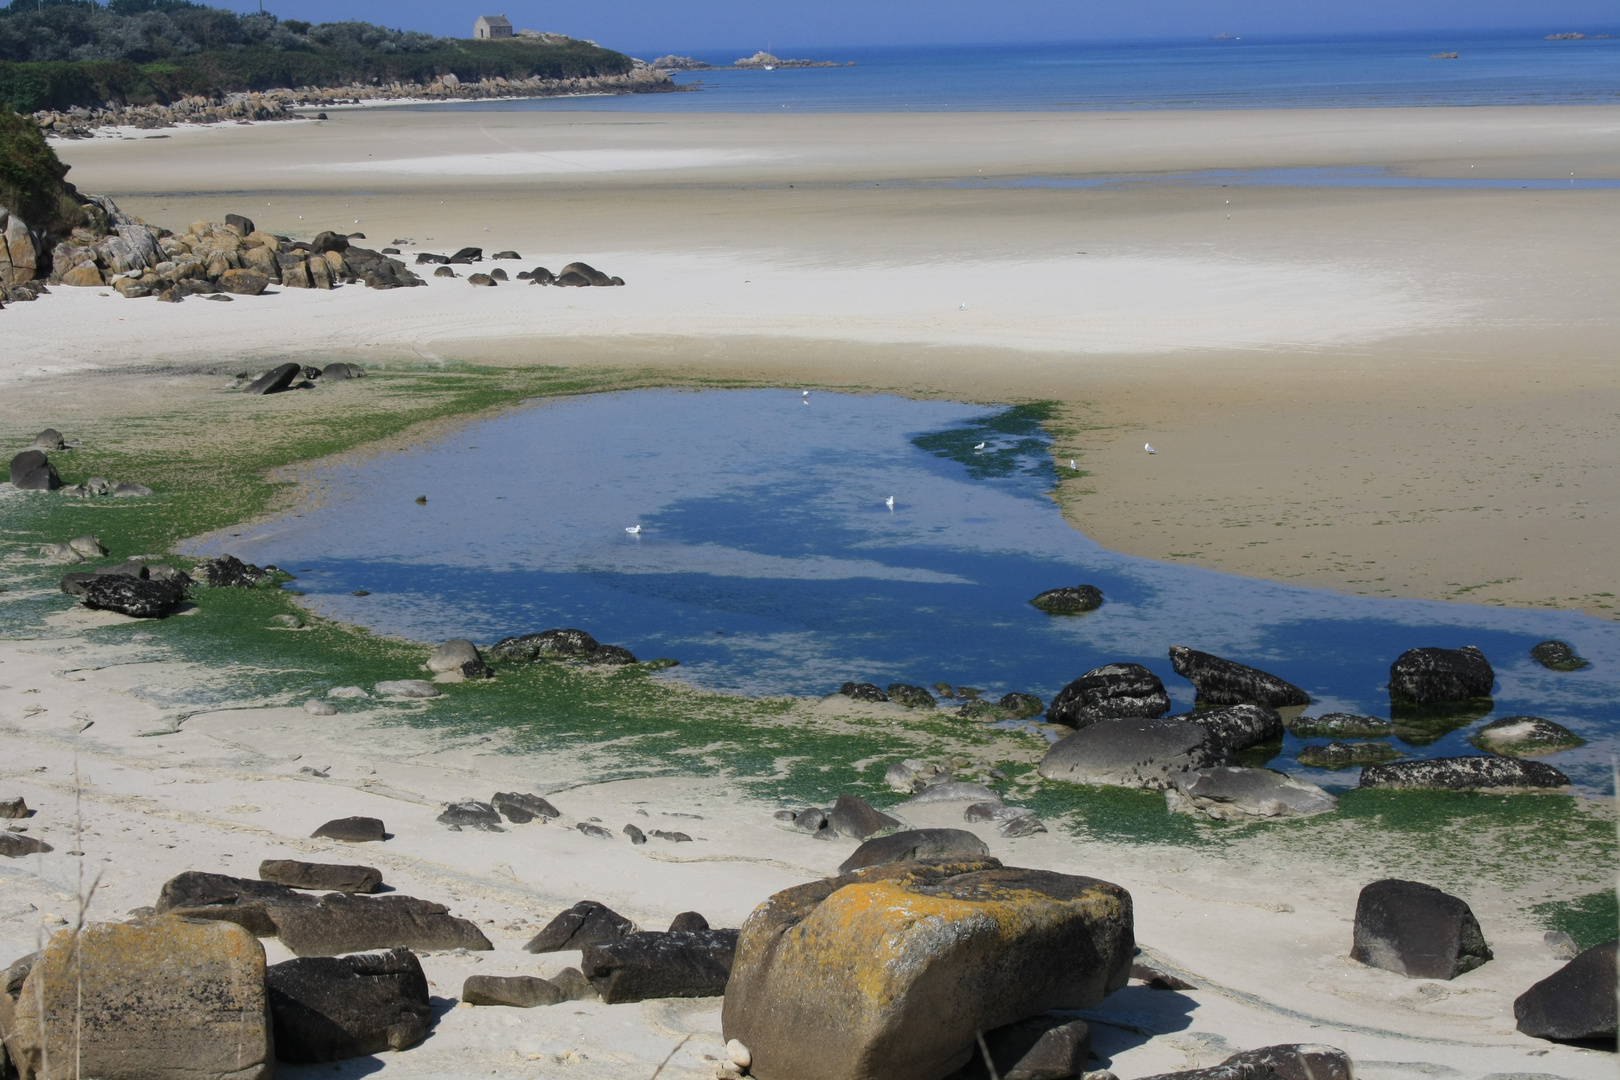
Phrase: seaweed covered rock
[1416,930]
[1224,682]
[1336,725]
[1432,676]
[661,964]
[1228,793]
[229,572]
[1342,755]
[1576,1003]
[139,598]
[1069,600]
[1133,752]
[1020,706]
[912,697]
[1525,736]
[1557,656]
[892,971]
[1487,773]
[547,645]
[863,691]
[1113,690]
[333,1008]
[1237,727]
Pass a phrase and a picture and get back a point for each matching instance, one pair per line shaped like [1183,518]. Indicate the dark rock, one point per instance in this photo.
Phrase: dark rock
[573,983]
[1464,774]
[1133,752]
[243,282]
[1333,725]
[1021,706]
[1237,727]
[813,821]
[243,225]
[980,710]
[342,923]
[506,255]
[521,808]
[591,274]
[1576,1003]
[498,274]
[352,830]
[517,991]
[1342,755]
[636,836]
[541,276]
[863,691]
[165,572]
[16,845]
[1069,600]
[1044,1047]
[1113,690]
[687,922]
[329,241]
[132,596]
[569,279]
[444,271]
[586,923]
[594,831]
[911,845]
[243,901]
[1299,1061]
[327,877]
[229,572]
[650,964]
[471,814]
[611,656]
[132,568]
[1525,736]
[994,811]
[1432,676]
[1157,979]
[549,645]
[51,439]
[13,808]
[424,258]
[340,371]
[469,254]
[480,279]
[1416,930]
[853,816]
[275,380]
[672,837]
[74,584]
[341,1007]
[31,470]
[912,697]
[1553,655]
[377,270]
[1223,682]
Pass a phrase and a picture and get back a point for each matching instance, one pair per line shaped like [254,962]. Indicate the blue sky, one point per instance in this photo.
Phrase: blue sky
[649,27]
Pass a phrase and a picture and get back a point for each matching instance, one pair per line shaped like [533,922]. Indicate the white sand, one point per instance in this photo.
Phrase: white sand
[521,163]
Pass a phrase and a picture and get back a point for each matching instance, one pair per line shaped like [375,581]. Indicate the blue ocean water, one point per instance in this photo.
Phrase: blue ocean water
[768,562]
[1232,74]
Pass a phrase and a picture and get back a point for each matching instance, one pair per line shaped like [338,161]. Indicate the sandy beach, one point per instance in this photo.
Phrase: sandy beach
[1402,392]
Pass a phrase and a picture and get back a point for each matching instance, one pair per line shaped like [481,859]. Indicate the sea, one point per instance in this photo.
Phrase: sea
[1229,73]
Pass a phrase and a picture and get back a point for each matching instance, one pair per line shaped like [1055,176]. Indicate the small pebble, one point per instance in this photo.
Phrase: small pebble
[739,1055]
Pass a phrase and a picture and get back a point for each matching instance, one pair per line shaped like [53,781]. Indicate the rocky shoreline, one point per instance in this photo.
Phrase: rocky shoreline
[285,104]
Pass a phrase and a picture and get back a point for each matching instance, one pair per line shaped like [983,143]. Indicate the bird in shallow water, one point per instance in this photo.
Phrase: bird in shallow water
[1149,448]
[889,502]
[633,530]
[979,447]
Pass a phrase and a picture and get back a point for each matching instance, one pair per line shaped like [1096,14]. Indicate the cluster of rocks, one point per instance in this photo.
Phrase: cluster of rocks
[21,257]
[1012,706]
[282,104]
[567,645]
[14,839]
[574,275]
[144,590]
[291,376]
[214,258]
[32,470]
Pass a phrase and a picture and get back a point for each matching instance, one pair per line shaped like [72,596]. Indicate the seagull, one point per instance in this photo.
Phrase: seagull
[1073,466]
[1149,448]
[889,502]
[804,396]
[633,530]
[979,447]
[963,306]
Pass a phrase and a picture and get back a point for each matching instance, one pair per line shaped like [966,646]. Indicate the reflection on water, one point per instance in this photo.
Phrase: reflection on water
[769,563]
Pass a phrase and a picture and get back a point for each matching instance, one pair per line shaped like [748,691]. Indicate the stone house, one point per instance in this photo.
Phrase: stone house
[492,26]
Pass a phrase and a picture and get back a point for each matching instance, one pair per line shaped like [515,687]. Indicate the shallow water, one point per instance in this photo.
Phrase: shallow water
[768,562]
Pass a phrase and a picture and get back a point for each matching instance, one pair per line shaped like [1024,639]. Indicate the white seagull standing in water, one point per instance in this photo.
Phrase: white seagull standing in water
[633,530]
[889,502]
[804,396]
[979,447]
[1149,448]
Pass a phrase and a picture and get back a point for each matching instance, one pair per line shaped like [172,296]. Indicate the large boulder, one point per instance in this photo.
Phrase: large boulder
[1223,682]
[343,923]
[1488,773]
[332,1008]
[163,998]
[564,644]
[661,964]
[1109,691]
[275,380]
[1294,1061]
[1334,725]
[1227,793]
[1237,727]
[1139,753]
[1436,676]
[586,923]
[520,808]
[1552,655]
[1416,930]
[1525,736]
[328,877]
[914,844]
[1069,600]
[889,973]
[244,281]
[140,598]
[458,656]
[31,470]
[1576,1003]
[1343,755]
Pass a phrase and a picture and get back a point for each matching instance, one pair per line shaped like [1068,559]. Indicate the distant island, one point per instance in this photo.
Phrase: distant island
[763,61]
[1572,36]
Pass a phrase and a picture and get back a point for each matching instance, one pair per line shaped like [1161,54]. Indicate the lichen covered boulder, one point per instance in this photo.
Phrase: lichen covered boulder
[1225,682]
[1484,773]
[1525,736]
[1069,600]
[889,973]
[1109,691]
[1436,676]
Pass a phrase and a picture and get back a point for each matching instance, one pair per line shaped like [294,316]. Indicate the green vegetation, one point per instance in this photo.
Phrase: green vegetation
[63,53]
[31,175]
[1590,920]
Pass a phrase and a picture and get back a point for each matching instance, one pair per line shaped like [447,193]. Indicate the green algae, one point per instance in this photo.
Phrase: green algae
[1590,920]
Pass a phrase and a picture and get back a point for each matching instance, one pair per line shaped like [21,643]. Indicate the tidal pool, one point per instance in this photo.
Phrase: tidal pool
[768,562]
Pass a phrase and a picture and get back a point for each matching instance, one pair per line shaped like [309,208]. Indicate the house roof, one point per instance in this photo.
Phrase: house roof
[494,20]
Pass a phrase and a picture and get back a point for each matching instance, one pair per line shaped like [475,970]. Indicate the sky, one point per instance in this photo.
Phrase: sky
[650,28]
